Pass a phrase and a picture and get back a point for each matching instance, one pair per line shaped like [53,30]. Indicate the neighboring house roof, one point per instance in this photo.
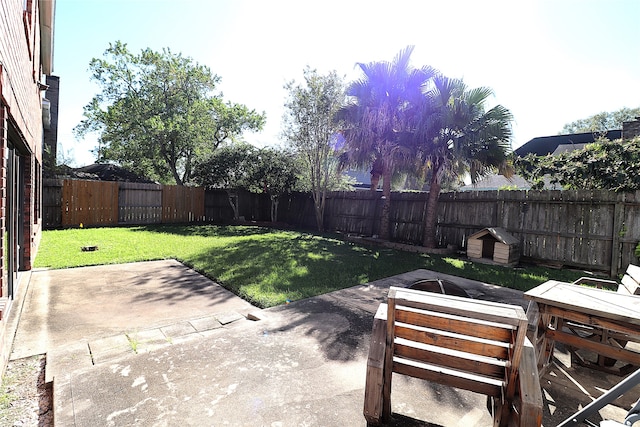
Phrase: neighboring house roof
[544,145]
[498,233]
[566,148]
[109,172]
[497,182]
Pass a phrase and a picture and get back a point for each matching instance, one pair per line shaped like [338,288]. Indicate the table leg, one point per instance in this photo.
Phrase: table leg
[541,341]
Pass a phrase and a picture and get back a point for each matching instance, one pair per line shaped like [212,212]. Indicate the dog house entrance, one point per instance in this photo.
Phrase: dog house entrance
[488,246]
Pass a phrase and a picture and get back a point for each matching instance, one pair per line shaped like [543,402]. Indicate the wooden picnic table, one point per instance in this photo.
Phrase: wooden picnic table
[583,318]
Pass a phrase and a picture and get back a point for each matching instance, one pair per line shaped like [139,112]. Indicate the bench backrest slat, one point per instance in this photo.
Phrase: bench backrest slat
[630,281]
[454,341]
[460,342]
[447,322]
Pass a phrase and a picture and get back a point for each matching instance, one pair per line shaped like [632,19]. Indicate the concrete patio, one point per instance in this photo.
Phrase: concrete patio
[157,344]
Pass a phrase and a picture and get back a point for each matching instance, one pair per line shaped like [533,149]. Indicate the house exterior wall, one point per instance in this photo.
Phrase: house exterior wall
[21,134]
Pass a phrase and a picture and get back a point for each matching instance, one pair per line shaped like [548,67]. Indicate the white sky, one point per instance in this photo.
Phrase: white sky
[549,62]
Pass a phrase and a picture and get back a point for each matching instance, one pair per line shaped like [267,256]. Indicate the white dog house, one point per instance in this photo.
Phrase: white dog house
[494,245]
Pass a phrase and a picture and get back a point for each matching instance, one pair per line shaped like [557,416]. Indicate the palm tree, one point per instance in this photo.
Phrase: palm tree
[455,135]
[377,116]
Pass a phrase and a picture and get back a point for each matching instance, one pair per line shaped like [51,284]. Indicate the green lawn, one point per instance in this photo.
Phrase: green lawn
[267,266]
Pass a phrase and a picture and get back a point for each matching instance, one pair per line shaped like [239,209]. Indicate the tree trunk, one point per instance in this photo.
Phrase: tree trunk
[375,180]
[386,204]
[232,196]
[431,217]
[274,208]
[377,171]
[318,204]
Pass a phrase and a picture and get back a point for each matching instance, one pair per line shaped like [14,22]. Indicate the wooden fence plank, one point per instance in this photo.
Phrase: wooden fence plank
[52,203]
[91,203]
[182,204]
[139,203]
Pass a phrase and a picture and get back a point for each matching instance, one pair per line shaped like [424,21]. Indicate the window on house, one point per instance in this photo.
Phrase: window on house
[27,18]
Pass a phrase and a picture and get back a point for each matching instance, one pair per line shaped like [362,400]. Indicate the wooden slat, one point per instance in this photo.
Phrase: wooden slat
[454,341]
[477,309]
[474,249]
[600,348]
[447,322]
[587,319]
[373,404]
[388,357]
[512,371]
[630,284]
[453,378]
[634,272]
[458,360]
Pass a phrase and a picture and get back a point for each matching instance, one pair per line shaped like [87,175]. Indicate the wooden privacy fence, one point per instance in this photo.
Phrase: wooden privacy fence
[139,203]
[72,202]
[596,230]
[89,202]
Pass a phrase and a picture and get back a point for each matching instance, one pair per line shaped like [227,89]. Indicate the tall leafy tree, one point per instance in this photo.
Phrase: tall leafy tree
[378,117]
[602,122]
[311,130]
[456,135]
[159,111]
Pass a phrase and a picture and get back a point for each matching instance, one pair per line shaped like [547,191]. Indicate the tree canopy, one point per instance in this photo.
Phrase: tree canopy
[242,166]
[158,112]
[602,122]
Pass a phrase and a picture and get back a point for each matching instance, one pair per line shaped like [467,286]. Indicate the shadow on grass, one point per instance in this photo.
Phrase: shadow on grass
[205,230]
[291,267]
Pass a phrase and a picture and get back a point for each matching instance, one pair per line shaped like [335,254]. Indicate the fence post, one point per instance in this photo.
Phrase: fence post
[618,229]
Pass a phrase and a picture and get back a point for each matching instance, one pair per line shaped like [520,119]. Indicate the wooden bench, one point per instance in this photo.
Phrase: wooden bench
[464,343]
[630,281]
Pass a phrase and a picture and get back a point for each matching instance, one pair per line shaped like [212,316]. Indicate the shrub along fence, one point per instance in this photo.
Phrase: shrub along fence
[595,230]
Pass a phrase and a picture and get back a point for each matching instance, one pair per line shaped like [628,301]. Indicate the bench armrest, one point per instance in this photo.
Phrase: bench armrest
[528,402]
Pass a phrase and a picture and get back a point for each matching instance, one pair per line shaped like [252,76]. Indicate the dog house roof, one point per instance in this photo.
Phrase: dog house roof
[498,233]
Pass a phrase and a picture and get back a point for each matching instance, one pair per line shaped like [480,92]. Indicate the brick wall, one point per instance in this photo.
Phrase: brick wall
[20,57]
[3,193]
[21,125]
